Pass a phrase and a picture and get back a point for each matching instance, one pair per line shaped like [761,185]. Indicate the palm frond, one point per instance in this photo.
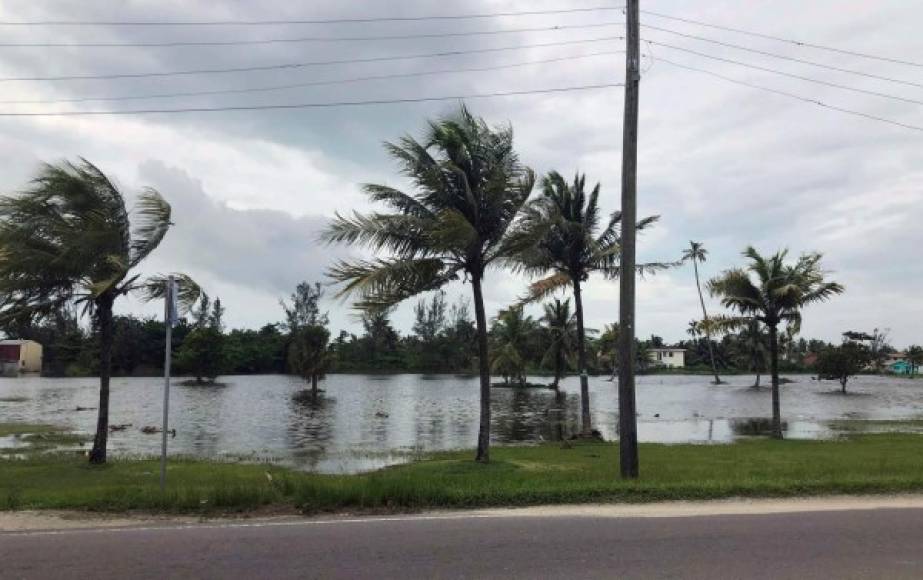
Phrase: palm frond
[155,288]
[399,233]
[722,324]
[152,222]
[546,287]
[397,200]
[382,283]
[736,290]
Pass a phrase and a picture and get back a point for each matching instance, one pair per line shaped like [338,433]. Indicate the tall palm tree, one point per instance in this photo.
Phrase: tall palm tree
[771,291]
[561,326]
[469,187]
[560,238]
[697,253]
[69,238]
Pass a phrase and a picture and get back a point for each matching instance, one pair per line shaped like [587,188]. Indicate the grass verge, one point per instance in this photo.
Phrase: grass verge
[516,476]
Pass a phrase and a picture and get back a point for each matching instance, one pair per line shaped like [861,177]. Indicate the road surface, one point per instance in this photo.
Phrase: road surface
[582,543]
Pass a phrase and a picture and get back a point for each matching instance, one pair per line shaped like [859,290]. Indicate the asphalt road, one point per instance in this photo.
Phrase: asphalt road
[883,543]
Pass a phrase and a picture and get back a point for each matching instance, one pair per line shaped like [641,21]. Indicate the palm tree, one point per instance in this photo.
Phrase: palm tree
[697,253]
[469,188]
[561,326]
[915,358]
[510,334]
[692,329]
[559,238]
[752,343]
[69,238]
[771,292]
[607,345]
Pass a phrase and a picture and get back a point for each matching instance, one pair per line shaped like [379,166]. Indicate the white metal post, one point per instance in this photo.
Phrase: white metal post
[168,315]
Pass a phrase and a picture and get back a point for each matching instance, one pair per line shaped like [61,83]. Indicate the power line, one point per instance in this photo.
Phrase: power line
[786,40]
[302,39]
[310,83]
[783,57]
[308,64]
[313,105]
[786,74]
[304,21]
[792,96]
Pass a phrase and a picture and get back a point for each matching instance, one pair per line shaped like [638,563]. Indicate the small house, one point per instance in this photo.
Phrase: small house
[668,357]
[21,356]
[901,367]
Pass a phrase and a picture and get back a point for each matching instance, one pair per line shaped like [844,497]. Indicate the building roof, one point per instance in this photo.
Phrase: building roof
[667,349]
[15,342]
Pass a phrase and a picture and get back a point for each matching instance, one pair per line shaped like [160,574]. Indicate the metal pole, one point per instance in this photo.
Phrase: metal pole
[628,423]
[168,300]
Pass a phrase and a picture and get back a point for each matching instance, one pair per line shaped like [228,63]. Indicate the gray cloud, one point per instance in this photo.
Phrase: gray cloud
[721,163]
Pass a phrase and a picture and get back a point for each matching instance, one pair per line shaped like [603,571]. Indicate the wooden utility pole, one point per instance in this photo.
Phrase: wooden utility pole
[628,424]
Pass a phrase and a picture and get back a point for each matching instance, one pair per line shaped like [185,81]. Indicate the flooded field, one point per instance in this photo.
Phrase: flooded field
[363,422]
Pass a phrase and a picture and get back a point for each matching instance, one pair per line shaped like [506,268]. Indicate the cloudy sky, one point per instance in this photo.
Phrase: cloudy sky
[722,163]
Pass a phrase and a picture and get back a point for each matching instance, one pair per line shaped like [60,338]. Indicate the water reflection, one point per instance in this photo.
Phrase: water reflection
[367,421]
[310,428]
[754,426]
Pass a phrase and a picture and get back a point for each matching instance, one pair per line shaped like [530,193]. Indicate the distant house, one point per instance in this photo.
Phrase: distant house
[669,357]
[892,362]
[901,367]
[809,359]
[20,356]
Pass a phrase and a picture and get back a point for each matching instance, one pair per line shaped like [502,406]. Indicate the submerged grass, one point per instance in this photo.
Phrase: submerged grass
[7,429]
[546,474]
[13,399]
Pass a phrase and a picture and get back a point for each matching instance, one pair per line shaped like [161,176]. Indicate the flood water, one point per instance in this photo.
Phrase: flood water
[363,422]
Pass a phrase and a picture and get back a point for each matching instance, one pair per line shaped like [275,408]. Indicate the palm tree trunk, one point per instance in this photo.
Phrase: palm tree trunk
[483,453]
[586,429]
[104,319]
[774,369]
[711,350]
[757,384]
[558,365]
[314,385]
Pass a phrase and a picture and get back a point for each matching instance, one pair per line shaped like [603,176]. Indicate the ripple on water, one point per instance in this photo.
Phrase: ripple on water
[363,422]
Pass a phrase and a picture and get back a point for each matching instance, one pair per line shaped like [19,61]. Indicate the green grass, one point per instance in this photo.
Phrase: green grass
[516,476]
[7,429]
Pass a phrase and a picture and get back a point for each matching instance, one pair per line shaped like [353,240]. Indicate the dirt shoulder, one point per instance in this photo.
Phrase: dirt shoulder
[27,521]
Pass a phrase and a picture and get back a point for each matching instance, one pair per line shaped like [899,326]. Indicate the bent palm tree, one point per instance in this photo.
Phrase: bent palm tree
[68,238]
[559,234]
[771,292]
[560,324]
[697,253]
[469,188]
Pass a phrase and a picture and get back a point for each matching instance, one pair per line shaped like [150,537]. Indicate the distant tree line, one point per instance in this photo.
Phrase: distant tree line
[442,340]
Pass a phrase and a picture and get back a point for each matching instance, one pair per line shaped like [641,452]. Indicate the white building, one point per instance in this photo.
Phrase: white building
[669,357]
